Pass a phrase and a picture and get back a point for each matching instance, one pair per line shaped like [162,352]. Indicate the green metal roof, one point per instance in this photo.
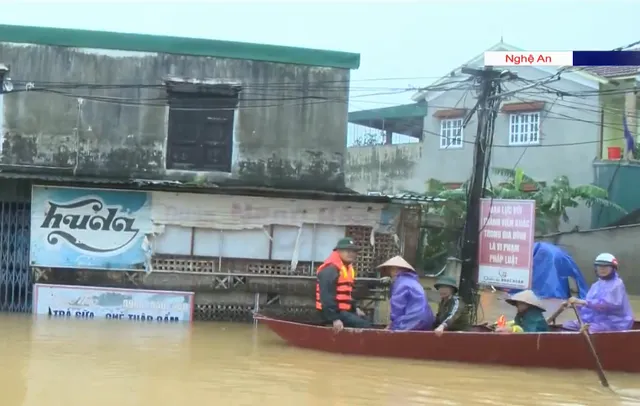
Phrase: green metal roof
[388,113]
[177,45]
[407,119]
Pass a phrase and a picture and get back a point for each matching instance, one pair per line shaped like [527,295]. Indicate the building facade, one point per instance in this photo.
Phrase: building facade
[145,162]
[617,166]
[95,103]
[547,131]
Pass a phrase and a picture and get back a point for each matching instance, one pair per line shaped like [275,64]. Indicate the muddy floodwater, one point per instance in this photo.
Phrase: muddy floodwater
[48,362]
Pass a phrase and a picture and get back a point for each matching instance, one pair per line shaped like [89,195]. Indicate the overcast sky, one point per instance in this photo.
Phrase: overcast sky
[411,40]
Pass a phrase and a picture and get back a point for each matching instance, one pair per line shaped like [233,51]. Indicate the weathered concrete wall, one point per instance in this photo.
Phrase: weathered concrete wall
[622,242]
[290,128]
[382,168]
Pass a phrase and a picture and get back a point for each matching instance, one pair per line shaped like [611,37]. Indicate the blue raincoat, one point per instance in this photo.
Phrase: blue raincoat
[552,268]
[410,310]
[607,309]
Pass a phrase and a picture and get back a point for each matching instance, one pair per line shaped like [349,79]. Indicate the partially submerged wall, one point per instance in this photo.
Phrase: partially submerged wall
[235,252]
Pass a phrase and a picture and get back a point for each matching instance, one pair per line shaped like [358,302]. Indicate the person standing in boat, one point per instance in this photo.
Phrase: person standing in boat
[607,306]
[452,314]
[334,288]
[530,318]
[410,310]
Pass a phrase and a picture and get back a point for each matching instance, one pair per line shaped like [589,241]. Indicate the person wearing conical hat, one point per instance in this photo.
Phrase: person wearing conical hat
[452,314]
[529,318]
[410,310]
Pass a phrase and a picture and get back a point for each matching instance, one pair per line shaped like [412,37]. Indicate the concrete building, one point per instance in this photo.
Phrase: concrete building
[96,103]
[151,162]
[617,168]
[547,131]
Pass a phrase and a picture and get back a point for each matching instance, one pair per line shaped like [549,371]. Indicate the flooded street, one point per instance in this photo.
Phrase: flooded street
[58,362]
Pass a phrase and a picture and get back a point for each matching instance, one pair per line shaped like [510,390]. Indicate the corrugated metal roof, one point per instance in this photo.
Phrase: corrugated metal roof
[65,37]
[405,198]
[410,198]
[210,188]
[82,179]
[388,113]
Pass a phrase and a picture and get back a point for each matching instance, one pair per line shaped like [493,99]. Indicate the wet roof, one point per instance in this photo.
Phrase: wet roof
[613,71]
[347,195]
[73,38]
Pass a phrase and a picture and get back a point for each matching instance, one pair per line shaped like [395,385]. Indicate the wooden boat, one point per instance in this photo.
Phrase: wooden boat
[618,351]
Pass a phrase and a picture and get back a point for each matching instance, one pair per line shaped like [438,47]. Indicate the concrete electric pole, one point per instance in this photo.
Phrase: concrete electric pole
[487,108]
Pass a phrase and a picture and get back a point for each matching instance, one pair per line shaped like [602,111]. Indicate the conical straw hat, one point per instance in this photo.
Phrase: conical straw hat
[397,261]
[528,297]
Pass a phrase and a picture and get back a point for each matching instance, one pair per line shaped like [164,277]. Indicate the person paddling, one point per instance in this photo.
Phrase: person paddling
[410,310]
[334,288]
[607,306]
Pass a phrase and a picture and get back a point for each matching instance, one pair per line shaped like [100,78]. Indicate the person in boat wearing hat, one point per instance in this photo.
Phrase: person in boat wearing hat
[334,288]
[529,319]
[452,314]
[410,310]
[607,306]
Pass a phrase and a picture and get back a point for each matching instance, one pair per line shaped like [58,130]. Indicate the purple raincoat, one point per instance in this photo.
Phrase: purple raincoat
[607,309]
[410,310]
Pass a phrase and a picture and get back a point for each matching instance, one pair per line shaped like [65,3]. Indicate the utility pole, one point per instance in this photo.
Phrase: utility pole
[489,80]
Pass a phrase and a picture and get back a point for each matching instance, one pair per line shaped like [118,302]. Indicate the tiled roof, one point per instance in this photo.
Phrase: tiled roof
[613,71]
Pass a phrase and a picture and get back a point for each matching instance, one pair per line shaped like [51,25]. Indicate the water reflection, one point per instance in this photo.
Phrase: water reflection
[15,335]
[59,362]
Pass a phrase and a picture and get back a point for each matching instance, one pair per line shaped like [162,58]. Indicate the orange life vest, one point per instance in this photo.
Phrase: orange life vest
[344,286]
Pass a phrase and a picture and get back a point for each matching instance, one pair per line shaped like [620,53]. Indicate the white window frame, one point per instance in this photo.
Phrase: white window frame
[451,133]
[524,129]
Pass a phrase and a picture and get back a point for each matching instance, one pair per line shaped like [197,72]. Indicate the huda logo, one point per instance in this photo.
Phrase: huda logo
[89,225]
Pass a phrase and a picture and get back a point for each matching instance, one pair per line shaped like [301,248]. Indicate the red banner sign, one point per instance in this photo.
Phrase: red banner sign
[505,246]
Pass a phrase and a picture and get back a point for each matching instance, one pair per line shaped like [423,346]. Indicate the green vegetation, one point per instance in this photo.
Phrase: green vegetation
[552,201]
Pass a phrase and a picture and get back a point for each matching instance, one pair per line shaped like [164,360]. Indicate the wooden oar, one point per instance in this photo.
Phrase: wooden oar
[490,327]
[554,316]
[584,329]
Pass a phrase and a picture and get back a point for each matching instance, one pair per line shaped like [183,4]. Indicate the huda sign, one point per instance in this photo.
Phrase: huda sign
[89,228]
[81,224]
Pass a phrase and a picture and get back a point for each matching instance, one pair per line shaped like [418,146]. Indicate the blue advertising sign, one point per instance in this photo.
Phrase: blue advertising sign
[89,228]
[89,302]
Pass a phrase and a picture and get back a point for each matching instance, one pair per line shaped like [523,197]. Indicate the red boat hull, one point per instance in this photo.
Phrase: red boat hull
[618,351]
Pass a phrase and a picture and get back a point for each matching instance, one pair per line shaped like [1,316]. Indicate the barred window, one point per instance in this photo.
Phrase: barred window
[451,133]
[524,129]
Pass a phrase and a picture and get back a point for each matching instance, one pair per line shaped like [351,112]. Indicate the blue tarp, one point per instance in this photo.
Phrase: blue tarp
[552,266]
